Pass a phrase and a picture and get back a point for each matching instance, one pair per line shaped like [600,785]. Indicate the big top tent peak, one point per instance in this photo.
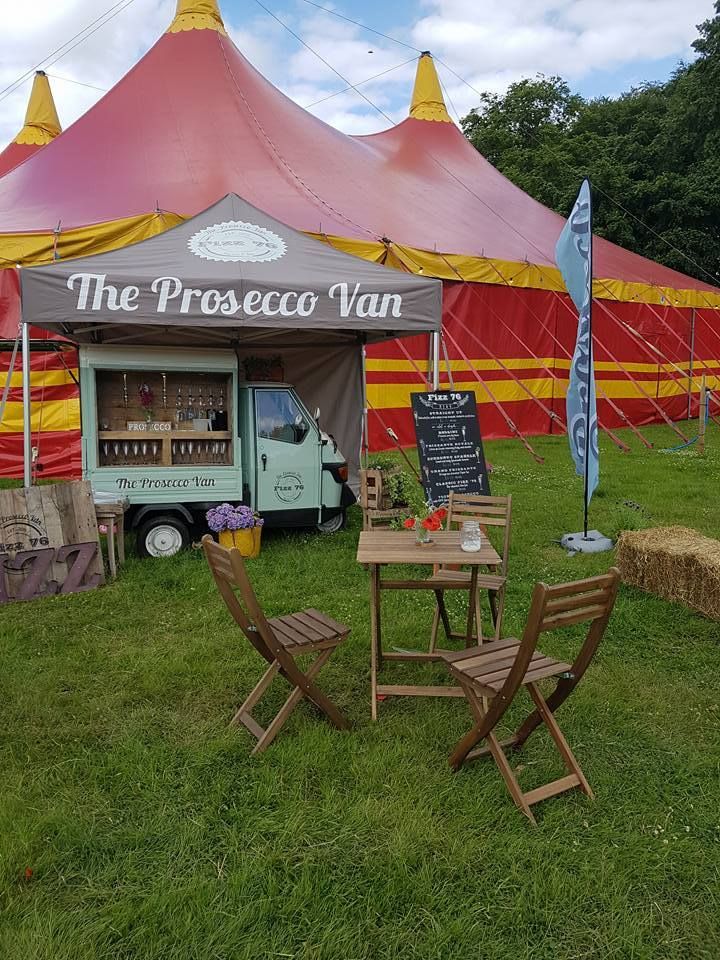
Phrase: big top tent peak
[427,101]
[197,15]
[40,128]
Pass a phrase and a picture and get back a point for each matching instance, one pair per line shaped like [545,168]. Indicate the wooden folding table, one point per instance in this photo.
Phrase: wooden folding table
[378,548]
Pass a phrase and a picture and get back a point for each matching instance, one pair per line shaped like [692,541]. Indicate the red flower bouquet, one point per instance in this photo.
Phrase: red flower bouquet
[426,524]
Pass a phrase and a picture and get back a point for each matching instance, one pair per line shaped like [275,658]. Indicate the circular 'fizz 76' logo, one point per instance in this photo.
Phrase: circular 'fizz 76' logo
[289,487]
[235,241]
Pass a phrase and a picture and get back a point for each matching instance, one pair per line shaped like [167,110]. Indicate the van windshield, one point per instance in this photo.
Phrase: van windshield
[279,417]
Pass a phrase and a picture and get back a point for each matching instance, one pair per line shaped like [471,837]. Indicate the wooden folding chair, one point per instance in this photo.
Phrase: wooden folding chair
[491,675]
[279,641]
[495,512]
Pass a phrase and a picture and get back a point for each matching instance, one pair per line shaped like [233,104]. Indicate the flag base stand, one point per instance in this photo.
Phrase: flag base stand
[595,542]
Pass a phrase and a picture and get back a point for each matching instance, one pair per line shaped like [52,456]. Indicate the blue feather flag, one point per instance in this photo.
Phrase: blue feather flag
[573,254]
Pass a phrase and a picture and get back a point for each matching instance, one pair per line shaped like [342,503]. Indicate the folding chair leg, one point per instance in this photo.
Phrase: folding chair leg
[560,742]
[473,737]
[315,694]
[509,777]
[442,610]
[492,598]
[478,619]
[287,708]
[243,714]
[434,630]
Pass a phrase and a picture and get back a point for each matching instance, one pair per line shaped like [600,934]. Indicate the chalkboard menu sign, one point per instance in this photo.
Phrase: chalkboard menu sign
[449,444]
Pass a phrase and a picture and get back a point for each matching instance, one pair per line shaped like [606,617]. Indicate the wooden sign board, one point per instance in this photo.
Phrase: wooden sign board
[449,444]
[48,541]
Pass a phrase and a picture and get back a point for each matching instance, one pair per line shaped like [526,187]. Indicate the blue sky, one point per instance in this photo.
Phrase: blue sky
[602,47]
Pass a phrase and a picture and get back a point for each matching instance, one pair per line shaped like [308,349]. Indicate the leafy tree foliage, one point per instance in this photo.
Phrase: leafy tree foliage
[655,151]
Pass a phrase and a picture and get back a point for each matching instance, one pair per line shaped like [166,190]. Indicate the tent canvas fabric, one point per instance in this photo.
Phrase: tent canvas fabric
[193,120]
[235,277]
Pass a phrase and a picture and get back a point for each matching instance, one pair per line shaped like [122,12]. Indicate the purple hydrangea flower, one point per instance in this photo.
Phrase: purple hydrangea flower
[228,517]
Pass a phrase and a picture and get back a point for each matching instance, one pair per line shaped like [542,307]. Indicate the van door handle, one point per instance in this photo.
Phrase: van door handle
[264,461]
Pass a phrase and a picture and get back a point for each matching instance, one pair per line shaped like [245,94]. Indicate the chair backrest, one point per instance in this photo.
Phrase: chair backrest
[371,489]
[490,512]
[228,569]
[565,605]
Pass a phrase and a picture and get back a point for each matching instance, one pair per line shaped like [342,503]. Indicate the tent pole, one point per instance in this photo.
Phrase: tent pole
[436,361]
[364,438]
[27,434]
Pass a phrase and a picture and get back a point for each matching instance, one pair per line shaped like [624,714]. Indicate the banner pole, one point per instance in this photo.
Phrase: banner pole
[591,361]
[364,438]
[27,431]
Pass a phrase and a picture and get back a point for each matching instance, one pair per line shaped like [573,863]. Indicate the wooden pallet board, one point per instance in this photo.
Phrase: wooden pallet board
[49,541]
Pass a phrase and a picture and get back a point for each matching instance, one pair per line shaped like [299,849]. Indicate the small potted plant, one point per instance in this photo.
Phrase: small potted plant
[426,523]
[398,487]
[237,527]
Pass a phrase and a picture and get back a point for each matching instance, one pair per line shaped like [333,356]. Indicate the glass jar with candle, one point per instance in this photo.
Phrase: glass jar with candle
[470,536]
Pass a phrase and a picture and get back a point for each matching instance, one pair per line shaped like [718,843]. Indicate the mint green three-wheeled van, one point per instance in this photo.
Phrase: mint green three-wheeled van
[176,431]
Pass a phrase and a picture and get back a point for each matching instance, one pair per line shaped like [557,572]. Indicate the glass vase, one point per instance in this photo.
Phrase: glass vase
[422,536]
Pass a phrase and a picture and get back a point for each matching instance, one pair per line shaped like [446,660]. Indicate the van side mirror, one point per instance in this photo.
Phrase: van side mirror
[316,415]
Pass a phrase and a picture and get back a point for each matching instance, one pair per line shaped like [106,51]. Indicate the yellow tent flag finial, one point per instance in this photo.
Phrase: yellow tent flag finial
[427,101]
[197,15]
[41,120]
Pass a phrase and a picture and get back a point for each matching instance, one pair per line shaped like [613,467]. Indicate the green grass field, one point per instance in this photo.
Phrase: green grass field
[152,835]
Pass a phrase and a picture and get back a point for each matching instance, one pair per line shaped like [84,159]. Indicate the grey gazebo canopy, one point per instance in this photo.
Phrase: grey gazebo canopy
[235,277]
[231,275]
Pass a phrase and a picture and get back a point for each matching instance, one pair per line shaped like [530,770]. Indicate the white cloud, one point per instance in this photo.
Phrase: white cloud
[489,44]
[495,43]
[101,60]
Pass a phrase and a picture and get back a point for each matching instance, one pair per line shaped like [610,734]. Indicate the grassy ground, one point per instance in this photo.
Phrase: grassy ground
[152,835]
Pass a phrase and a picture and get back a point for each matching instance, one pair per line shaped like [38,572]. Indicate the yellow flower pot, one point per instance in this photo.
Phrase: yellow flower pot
[246,541]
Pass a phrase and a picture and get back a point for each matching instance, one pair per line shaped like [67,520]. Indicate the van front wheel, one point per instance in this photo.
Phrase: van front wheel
[162,536]
[333,524]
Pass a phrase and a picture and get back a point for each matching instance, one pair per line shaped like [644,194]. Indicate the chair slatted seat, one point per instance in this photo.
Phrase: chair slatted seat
[278,640]
[492,674]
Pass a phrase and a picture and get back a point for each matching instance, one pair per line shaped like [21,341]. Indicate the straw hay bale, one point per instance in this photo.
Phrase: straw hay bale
[674,563]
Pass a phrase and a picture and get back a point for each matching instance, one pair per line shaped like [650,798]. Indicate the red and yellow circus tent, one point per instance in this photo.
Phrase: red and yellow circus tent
[193,120]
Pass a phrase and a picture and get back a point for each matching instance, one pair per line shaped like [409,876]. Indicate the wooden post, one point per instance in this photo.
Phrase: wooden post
[703,407]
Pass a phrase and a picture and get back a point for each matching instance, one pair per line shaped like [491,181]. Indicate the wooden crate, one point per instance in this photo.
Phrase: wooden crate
[674,563]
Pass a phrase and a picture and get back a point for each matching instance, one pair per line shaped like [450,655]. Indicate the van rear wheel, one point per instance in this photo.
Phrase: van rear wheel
[162,536]
[333,524]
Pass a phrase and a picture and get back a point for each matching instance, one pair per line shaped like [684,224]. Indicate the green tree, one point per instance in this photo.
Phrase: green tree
[653,155]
